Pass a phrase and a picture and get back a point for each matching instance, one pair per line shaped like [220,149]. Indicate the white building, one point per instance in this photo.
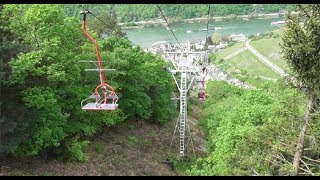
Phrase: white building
[199,46]
[211,47]
[221,45]
[237,37]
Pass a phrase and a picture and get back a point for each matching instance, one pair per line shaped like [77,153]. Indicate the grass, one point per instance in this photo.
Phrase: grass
[134,140]
[99,148]
[271,49]
[225,52]
[121,150]
[47,173]
[181,166]
[248,62]
[17,173]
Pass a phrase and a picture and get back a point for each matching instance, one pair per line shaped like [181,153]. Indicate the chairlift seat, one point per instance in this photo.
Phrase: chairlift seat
[98,106]
[94,96]
[112,97]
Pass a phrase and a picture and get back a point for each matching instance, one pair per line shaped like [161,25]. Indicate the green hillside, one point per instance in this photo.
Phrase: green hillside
[139,12]
[270,48]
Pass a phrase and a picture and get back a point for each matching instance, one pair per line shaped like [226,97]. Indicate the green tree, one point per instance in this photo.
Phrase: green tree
[145,87]
[105,24]
[42,69]
[301,51]
[14,115]
[251,131]
[216,38]
[139,12]
[50,77]
[48,82]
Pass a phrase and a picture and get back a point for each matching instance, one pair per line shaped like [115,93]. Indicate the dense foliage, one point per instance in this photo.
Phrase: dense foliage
[301,47]
[43,82]
[301,51]
[139,12]
[12,121]
[250,131]
[274,129]
[253,131]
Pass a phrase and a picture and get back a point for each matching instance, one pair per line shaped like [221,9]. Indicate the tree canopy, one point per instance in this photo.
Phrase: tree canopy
[301,50]
[44,83]
[139,12]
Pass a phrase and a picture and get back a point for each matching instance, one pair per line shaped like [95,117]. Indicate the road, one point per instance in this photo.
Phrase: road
[265,60]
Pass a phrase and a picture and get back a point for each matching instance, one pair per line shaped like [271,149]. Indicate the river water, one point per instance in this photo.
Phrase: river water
[145,37]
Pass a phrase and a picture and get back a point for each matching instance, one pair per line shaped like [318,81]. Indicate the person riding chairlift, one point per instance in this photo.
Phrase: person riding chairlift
[201,95]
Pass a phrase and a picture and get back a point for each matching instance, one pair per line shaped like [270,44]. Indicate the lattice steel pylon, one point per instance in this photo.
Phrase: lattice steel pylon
[185,64]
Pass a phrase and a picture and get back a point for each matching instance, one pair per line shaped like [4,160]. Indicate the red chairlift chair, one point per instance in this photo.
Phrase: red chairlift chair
[202,95]
[107,101]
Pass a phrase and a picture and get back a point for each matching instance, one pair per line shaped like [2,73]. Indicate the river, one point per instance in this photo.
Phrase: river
[145,37]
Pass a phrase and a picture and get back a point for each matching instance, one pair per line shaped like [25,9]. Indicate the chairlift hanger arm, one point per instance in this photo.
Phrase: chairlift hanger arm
[84,27]
[102,102]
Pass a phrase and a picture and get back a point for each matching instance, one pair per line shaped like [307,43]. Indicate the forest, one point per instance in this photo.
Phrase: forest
[140,12]
[43,83]
[271,129]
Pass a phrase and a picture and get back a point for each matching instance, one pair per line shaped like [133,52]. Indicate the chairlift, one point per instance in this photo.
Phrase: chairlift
[104,97]
[202,94]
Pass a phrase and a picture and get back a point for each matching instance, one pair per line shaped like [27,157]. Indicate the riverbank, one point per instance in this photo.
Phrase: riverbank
[157,22]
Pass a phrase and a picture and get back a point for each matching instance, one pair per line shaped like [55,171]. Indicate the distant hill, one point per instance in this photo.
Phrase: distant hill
[139,12]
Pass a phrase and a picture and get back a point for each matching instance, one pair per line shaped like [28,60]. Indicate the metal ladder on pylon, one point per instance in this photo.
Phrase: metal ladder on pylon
[187,70]
[183,113]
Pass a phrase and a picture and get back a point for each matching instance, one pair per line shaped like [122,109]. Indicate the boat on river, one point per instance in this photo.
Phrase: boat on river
[278,22]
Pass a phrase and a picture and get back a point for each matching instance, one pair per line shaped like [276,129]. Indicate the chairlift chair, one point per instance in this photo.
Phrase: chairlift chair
[202,94]
[107,101]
